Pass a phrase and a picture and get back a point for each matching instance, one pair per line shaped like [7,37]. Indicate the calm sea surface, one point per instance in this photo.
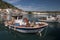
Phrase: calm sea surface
[51,33]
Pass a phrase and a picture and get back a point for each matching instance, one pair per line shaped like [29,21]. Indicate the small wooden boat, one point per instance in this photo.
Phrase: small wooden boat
[24,29]
[25,26]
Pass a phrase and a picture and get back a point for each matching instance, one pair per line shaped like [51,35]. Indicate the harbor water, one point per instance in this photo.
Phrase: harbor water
[51,33]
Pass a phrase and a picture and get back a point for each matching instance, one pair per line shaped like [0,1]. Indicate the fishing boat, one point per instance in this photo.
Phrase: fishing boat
[48,19]
[26,26]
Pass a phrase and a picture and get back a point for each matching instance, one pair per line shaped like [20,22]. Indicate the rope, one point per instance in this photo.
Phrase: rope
[45,32]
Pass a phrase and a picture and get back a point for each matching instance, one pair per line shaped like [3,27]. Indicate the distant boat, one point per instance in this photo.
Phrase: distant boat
[47,19]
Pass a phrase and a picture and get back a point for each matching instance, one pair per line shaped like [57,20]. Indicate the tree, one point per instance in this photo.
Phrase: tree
[30,12]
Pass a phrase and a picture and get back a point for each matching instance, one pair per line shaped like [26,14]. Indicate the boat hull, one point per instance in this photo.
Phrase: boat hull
[28,30]
[48,21]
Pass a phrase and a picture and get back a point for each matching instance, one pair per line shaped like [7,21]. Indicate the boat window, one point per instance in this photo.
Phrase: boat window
[20,17]
[15,17]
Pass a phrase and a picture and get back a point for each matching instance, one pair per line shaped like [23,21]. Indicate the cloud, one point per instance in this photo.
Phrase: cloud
[12,1]
[25,7]
[28,8]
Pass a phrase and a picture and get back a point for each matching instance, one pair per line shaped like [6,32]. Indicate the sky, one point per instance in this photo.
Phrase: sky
[36,5]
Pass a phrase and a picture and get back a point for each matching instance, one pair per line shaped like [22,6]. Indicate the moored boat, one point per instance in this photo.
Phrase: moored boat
[25,26]
[25,29]
[48,19]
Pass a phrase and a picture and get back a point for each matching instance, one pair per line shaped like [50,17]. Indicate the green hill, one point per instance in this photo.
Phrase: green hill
[4,5]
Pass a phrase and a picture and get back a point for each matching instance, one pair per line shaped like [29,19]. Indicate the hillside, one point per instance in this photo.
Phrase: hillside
[4,5]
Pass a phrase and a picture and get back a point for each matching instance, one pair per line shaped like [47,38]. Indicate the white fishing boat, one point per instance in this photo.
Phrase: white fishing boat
[48,19]
[26,27]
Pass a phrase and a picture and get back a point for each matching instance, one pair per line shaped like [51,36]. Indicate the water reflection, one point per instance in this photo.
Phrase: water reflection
[53,33]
